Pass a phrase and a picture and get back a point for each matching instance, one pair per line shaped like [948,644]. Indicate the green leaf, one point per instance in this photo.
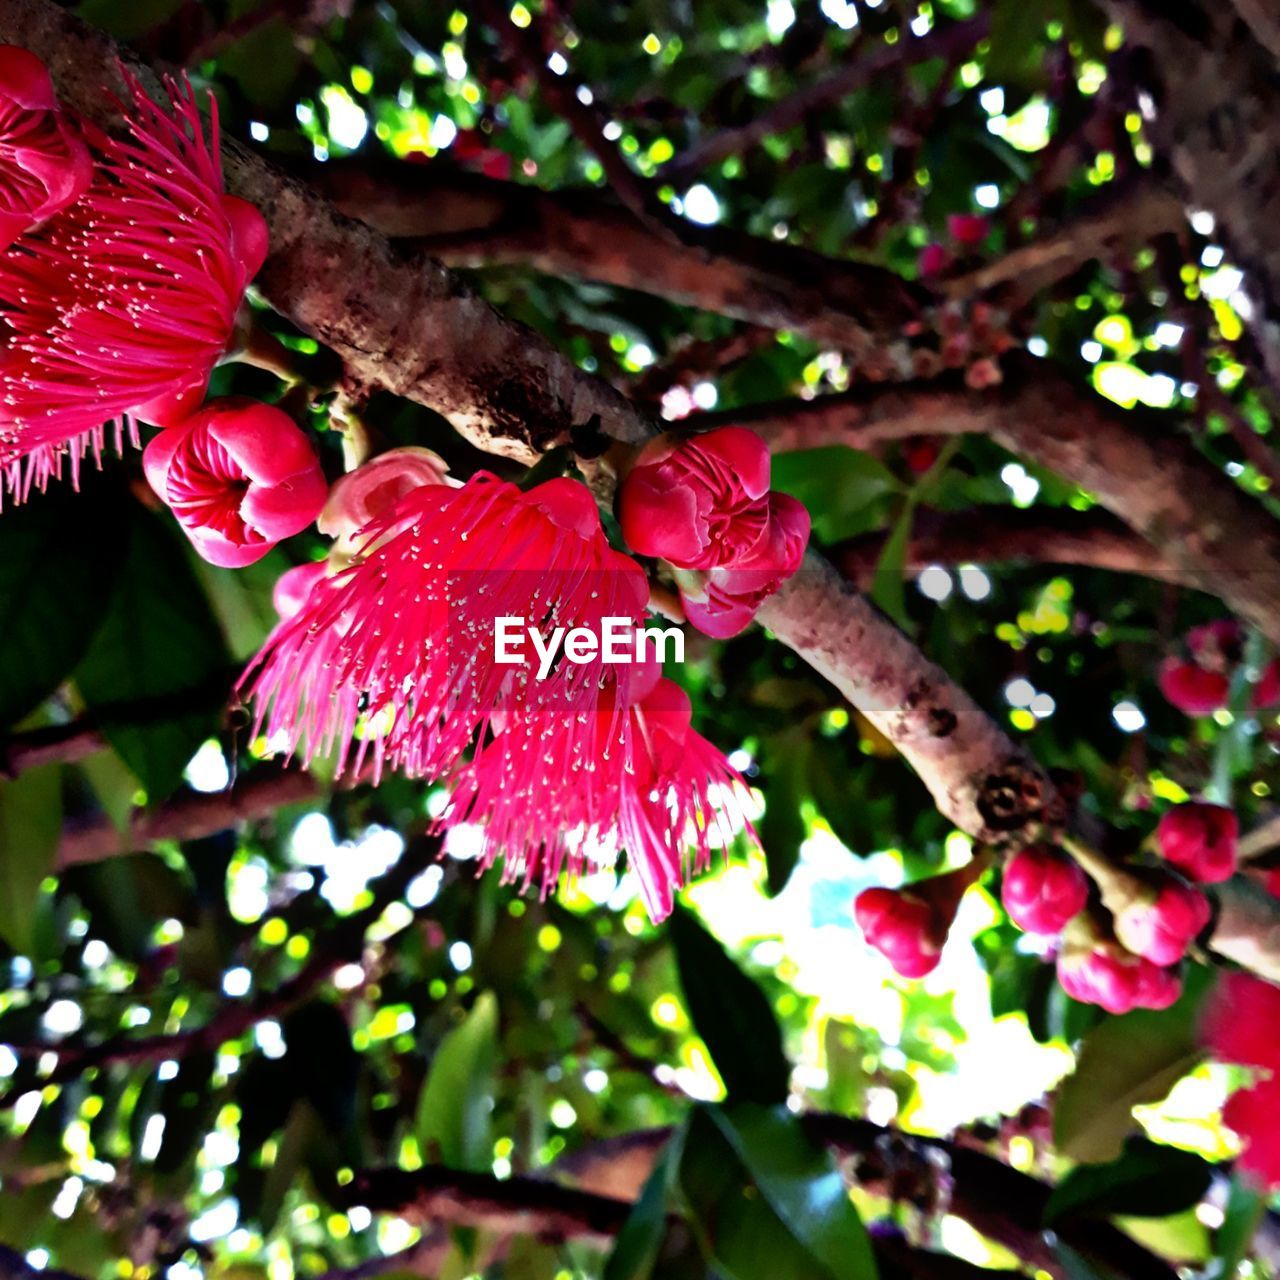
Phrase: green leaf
[454,1110]
[1147,1181]
[844,490]
[766,1202]
[888,588]
[30,827]
[732,1015]
[635,1252]
[128,22]
[782,829]
[56,572]
[157,673]
[300,1131]
[1246,1206]
[1123,1063]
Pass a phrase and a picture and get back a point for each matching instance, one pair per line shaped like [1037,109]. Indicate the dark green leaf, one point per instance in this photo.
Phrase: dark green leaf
[766,1203]
[1147,1181]
[157,673]
[843,489]
[639,1243]
[732,1016]
[1246,1206]
[56,572]
[30,827]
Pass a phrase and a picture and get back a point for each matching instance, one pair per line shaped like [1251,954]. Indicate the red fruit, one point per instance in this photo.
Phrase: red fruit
[1042,890]
[968,229]
[1163,922]
[1200,840]
[901,927]
[1192,689]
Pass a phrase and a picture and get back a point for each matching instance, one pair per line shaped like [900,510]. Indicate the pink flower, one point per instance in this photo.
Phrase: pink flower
[1240,1020]
[902,927]
[1200,840]
[44,163]
[728,600]
[1163,921]
[1118,981]
[554,790]
[120,306]
[968,229]
[1042,890]
[294,585]
[1192,689]
[239,477]
[399,647]
[698,503]
[373,489]
[934,260]
[1216,645]
[1252,1114]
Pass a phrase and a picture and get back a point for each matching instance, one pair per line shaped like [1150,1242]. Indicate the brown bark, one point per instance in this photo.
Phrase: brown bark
[978,778]
[1217,98]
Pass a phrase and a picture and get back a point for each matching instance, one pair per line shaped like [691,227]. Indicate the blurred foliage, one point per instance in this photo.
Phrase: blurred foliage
[491,1033]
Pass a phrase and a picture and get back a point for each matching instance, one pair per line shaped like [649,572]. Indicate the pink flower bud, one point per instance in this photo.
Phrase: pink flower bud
[44,163]
[239,476]
[699,503]
[1200,840]
[1193,689]
[901,927]
[1216,645]
[1162,922]
[293,587]
[370,491]
[968,229]
[1042,890]
[934,260]
[731,595]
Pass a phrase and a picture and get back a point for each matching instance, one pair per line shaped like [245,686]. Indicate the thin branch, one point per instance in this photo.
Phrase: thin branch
[864,69]
[1006,535]
[189,814]
[49,744]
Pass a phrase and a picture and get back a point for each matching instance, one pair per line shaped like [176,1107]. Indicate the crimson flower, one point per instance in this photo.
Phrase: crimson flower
[555,789]
[968,229]
[239,476]
[730,596]
[396,656]
[1191,688]
[44,163]
[120,306]
[698,503]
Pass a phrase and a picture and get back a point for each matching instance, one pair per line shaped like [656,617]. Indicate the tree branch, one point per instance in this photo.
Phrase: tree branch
[466,220]
[188,815]
[1000,535]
